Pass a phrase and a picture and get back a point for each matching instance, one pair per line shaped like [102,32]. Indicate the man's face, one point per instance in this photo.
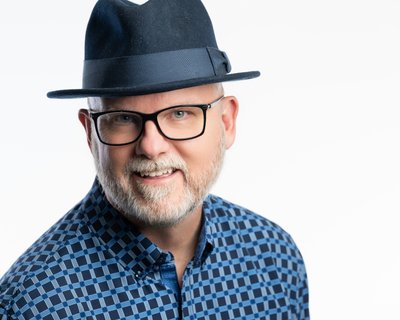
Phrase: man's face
[156,181]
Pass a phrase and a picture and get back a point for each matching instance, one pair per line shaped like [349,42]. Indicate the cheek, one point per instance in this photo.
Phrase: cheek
[115,158]
[199,153]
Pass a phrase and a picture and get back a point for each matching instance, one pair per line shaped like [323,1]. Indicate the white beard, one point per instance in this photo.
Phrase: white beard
[158,206]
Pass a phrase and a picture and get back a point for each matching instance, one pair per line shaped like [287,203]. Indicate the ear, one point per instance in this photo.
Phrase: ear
[84,118]
[229,114]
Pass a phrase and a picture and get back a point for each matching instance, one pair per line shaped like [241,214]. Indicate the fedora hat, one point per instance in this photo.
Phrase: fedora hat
[158,46]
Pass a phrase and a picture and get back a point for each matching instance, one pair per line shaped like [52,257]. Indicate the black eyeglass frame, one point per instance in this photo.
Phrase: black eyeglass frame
[153,117]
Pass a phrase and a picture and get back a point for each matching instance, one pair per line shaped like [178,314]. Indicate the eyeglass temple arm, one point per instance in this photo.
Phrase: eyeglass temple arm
[212,104]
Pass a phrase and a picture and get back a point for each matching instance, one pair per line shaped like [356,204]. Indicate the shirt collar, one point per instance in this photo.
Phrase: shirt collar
[208,239]
[209,214]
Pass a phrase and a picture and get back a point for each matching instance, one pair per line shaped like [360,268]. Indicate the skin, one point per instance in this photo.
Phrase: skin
[179,239]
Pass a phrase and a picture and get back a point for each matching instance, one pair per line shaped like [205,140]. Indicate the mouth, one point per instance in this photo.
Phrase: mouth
[155,174]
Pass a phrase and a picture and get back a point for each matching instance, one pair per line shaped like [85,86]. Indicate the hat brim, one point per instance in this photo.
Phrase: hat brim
[148,88]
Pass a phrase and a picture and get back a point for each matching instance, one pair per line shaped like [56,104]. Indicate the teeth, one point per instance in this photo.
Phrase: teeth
[155,173]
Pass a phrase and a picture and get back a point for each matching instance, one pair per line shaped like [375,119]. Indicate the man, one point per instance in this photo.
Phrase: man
[148,242]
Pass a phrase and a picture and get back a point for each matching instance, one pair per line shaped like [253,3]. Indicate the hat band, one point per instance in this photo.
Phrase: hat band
[155,68]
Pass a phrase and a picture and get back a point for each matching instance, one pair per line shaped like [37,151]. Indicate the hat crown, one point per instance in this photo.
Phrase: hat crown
[119,28]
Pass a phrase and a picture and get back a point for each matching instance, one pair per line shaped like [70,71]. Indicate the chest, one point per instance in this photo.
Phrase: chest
[219,288]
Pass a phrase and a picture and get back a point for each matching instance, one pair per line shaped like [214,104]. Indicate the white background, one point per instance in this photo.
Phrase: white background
[318,147]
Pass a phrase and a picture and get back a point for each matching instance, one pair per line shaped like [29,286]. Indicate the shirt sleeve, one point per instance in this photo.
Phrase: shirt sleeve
[304,313]
[302,296]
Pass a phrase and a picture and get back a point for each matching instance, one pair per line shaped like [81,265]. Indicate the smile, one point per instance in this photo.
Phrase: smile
[156,174]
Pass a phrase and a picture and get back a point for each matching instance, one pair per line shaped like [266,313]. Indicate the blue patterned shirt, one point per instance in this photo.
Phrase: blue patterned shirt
[93,264]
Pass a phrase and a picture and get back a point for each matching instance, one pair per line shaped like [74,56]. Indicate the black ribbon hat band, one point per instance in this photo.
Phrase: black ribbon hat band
[162,45]
[155,68]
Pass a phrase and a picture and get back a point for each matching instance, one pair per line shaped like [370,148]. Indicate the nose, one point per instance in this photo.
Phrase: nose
[152,143]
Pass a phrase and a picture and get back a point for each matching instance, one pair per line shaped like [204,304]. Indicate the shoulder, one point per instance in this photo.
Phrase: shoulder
[261,246]
[237,219]
[37,264]
[258,237]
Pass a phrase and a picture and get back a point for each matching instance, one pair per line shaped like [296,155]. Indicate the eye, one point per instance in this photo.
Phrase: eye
[120,119]
[125,118]
[179,114]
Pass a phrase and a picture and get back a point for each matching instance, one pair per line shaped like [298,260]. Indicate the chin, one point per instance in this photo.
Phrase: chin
[163,209]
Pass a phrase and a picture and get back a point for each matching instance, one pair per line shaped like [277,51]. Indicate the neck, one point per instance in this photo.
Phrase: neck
[181,240]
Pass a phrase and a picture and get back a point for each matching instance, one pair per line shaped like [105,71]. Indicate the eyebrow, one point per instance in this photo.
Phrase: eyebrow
[107,107]
[110,108]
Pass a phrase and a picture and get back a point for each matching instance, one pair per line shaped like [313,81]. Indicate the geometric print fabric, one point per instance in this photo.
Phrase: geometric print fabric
[93,264]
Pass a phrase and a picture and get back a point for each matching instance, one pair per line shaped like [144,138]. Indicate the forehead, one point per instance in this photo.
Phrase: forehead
[155,101]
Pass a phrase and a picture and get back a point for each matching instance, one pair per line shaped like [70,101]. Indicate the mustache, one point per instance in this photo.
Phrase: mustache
[142,164]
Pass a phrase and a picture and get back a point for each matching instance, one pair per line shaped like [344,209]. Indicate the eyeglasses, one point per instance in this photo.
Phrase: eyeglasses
[122,127]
